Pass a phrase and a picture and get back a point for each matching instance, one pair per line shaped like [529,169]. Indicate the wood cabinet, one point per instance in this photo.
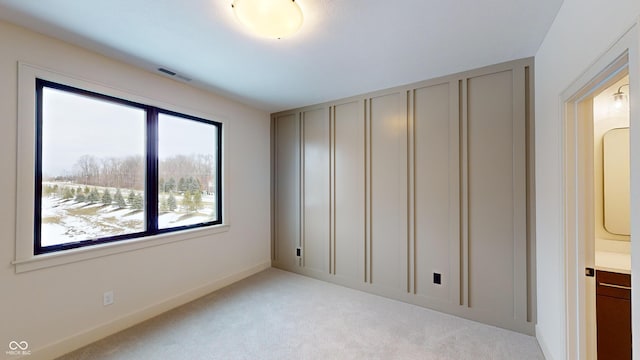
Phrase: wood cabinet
[613,308]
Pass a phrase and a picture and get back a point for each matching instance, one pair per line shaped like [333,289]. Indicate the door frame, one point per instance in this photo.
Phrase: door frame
[578,185]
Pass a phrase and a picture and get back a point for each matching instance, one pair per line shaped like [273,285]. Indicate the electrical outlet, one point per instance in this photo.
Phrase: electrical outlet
[437,278]
[107,298]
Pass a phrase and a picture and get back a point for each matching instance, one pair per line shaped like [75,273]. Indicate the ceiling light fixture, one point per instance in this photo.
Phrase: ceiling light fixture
[269,18]
[619,97]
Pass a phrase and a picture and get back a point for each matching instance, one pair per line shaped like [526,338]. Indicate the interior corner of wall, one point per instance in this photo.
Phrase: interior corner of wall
[543,344]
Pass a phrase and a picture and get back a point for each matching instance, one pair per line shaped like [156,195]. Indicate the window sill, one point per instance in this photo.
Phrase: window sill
[91,252]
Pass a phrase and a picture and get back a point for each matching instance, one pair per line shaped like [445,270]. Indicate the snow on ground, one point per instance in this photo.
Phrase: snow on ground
[51,233]
[65,221]
[169,220]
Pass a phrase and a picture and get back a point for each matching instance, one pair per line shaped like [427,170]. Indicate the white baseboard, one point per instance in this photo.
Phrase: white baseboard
[543,345]
[89,336]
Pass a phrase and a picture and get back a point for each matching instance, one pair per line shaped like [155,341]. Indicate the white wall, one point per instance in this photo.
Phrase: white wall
[582,31]
[50,307]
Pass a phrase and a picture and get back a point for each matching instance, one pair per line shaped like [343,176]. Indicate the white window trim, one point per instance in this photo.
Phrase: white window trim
[25,260]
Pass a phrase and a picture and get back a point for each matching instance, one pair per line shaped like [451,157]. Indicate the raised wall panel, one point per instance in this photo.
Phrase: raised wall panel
[435,186]
[287,189]
[349,191]
[316,190]
[490,155]
[388,198]
[401,183]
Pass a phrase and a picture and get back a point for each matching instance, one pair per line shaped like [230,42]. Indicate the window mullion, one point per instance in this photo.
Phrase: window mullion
[219,175]
[37,231]
[151,181]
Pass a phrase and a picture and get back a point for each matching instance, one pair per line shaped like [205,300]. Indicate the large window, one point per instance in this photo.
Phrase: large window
[109,169]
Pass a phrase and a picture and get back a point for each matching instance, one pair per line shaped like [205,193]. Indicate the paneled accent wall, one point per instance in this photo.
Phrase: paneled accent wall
[348,191]
[389,191]
[286,178]
[315,185]
[387,205]
[436,188]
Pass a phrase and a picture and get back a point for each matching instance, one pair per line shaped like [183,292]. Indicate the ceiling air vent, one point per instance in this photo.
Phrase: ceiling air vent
[168,72]
[173,73]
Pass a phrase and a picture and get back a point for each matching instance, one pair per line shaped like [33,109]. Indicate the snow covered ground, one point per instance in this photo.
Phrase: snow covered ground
[65,221]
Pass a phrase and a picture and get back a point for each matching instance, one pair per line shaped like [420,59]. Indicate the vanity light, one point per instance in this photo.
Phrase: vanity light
[269,18]
[619,97]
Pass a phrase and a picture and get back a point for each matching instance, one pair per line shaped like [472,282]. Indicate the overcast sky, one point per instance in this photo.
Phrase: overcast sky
[75,125]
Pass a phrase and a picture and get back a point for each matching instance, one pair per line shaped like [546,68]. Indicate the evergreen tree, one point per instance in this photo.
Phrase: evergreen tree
[131,198]
[106,197]
[164,205]
[197,200]
[170,185]
[186,184]
[66,194]
[80,197]
[119,199]
[138,202]
[192,184]
[182,185]
[171,202]
[161,185]
[86,190]
[73,192]
[187,201]
[48,190]
[93,196]
[78,190]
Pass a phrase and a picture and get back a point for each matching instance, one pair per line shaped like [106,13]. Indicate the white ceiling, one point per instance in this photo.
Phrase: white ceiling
[345,47]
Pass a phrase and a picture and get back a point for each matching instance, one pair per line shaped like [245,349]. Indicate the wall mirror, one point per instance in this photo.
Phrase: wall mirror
[615,149]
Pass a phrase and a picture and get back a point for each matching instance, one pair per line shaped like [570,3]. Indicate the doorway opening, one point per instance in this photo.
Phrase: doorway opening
[612,234]
[597,215]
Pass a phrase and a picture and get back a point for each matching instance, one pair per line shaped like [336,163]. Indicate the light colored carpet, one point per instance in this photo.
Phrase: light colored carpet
[280,315]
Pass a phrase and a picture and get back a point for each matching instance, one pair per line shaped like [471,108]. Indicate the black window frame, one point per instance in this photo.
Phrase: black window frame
[151,202]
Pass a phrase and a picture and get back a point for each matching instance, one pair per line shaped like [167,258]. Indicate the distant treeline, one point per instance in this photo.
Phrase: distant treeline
[191,200]
[178,173]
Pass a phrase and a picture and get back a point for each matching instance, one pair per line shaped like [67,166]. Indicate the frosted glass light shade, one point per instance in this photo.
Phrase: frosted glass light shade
[269,18]
[619,100]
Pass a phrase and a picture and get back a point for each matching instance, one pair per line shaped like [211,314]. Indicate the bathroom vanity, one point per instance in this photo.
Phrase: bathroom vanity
[613,305]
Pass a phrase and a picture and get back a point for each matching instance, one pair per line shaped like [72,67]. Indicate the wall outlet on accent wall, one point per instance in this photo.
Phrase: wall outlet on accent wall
[437,278]
[107,298]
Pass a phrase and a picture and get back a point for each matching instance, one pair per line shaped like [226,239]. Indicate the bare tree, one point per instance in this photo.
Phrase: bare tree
[87,170]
